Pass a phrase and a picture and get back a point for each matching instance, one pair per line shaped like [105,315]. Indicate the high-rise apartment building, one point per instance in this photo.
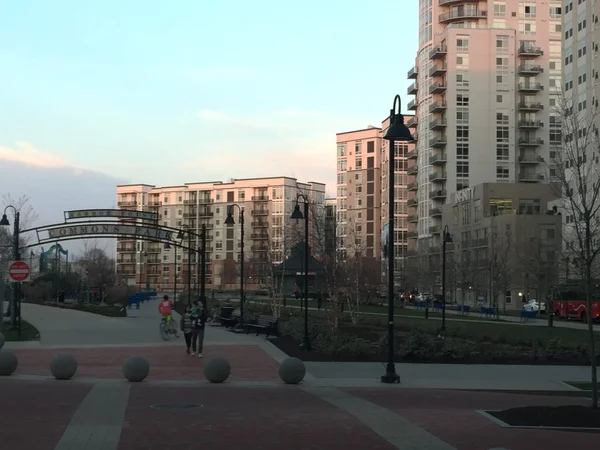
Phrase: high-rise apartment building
[487,76]
[362,191]
[268,230]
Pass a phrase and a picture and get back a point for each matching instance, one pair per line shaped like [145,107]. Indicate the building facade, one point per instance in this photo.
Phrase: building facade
[268,230]
[486,79]
[506,245]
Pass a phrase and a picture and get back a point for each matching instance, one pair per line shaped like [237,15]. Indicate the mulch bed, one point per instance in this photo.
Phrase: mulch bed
[287,345]
[574,416]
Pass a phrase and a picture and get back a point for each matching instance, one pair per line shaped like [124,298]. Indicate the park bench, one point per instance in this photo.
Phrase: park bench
[526,315]
[266,324]
[232,320]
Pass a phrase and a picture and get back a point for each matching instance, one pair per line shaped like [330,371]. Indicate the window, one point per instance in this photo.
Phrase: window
[462,80]
[462,44]
[462,169]
[371,147]
[555,12]
[501,44]
[499,9]
[341,150]
[358,148]
[462,61]
[530,10]
[502,172]
[529,206]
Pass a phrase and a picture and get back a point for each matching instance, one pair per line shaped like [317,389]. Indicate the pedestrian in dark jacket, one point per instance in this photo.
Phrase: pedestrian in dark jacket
[187,327]
[198,322]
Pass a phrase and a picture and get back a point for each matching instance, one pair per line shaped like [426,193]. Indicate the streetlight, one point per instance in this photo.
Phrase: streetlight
[230,221]
[297,215]
[447,239]
[15,309]
[396,131]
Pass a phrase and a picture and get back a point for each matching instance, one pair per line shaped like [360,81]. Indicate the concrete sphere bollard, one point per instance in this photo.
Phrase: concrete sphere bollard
[292,371]
[217,370]
[8,363]
[63,366]
[136,368]
[2,340]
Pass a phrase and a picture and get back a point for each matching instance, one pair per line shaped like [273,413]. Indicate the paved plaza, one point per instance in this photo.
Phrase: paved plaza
[339,405]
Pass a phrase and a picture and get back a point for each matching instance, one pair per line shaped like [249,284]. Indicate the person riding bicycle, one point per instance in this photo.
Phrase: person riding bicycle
[166,311]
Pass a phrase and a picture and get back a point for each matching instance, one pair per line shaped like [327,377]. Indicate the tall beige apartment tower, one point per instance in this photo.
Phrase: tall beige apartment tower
[362,191]
[268,230]
[487,75]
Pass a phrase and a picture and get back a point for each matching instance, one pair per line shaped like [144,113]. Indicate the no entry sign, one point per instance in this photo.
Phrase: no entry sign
[18,271]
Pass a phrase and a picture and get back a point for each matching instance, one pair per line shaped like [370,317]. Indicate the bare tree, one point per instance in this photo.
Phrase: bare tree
[575,167]
[28,217]
[95,267]
[464,275]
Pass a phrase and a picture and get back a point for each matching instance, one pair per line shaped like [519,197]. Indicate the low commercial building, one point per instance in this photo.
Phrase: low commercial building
[505,246]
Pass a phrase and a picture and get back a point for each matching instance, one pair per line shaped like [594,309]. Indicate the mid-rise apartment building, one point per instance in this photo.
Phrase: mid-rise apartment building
[486,79]
[268,230]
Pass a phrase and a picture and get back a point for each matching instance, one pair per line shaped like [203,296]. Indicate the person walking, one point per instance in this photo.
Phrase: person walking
[198,322]
[187,326]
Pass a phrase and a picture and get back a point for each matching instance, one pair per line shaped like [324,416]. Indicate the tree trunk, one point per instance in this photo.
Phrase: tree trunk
[590,320]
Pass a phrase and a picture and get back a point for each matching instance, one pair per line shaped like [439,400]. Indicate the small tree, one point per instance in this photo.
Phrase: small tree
[500,267]
[576,170]
[464,268]
[28,217]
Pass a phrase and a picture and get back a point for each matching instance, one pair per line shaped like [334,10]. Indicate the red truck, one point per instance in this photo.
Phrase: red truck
[571,304]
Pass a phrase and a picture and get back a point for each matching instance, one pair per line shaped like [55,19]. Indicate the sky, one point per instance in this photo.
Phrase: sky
[164,93]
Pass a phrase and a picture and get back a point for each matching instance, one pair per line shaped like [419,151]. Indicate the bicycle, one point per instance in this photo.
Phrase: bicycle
[167,329]
[213,315]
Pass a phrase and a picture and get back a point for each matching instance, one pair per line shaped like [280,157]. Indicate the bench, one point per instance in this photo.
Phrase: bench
[268,324]
[232,320]
[526,315]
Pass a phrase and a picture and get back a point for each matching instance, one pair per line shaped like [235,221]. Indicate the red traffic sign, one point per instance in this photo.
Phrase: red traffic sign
[18,271]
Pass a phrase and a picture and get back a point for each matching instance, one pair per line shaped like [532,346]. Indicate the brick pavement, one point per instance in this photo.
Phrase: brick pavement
[271,418]
[248,362]
[33,415]
[451,416]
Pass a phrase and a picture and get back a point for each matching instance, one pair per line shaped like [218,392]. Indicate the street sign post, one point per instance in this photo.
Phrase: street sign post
[18,271]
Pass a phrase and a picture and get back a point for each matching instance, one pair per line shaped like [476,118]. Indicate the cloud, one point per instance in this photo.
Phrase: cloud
[26,153]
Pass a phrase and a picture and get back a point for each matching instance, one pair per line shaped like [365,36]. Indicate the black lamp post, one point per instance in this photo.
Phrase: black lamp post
[230,221]
[297,214]
[15,307]
[396,131]
[447,239]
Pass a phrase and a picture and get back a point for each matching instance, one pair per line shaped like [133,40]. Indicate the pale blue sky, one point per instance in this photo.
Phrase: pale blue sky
[170,92]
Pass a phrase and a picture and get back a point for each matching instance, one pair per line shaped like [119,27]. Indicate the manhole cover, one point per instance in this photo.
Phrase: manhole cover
[176,406]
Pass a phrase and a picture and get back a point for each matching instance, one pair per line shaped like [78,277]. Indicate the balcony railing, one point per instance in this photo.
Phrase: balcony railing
[412,73]
[530,141]
[437,70]
[260,224]
[524,106]
[438,52]
[413,218]
[530,124]
[437,88]
[412,105]
[531,177]
[438,176]
[260,212]
[260,198]
[452,2]
[437,124]
[438,159]
[412,122]
[530,51]
[259,236]
[412,186]
[127,203]
[530,159]
[411,154]
[529,69]
[435,212]
[437,107]
[462,14]
[437,141]
[413,170]
[412,89]
[438,194]
[530,87]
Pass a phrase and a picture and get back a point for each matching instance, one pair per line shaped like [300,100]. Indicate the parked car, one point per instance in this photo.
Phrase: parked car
[533,305]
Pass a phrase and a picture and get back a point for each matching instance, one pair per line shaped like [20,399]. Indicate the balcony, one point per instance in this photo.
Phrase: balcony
[530,124]
[435,212]
[412,235]
[206,200]
[438,53]
[260,224]
[530,87]
[412,122]
[415,137]
[412,89]
[127,203]
[435,229]
[259,248]
[154,204]
[259,236]
[411,154]
[437,88]
[191,201]
[530,70]
[462,14]
[260,198]
[439,194]
[153,250]
[154,261]
[438,159]
[524,106]
[531,177]
[482,242]
[412,186]
[530,158]
[530,142]
[412,73]
[437,124]
[529,51]
[125,249]
[412,202]
[437,107]
[438,176]
[189,215]
[412,105]
[125,272]
[260,212]
[454,2]
[437,70]
[412,218]
[413,170]
[437,141]
[126,261]
[205,214]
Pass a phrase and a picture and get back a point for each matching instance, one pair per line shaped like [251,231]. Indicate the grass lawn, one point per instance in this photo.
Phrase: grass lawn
[28,333]
[583,385]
